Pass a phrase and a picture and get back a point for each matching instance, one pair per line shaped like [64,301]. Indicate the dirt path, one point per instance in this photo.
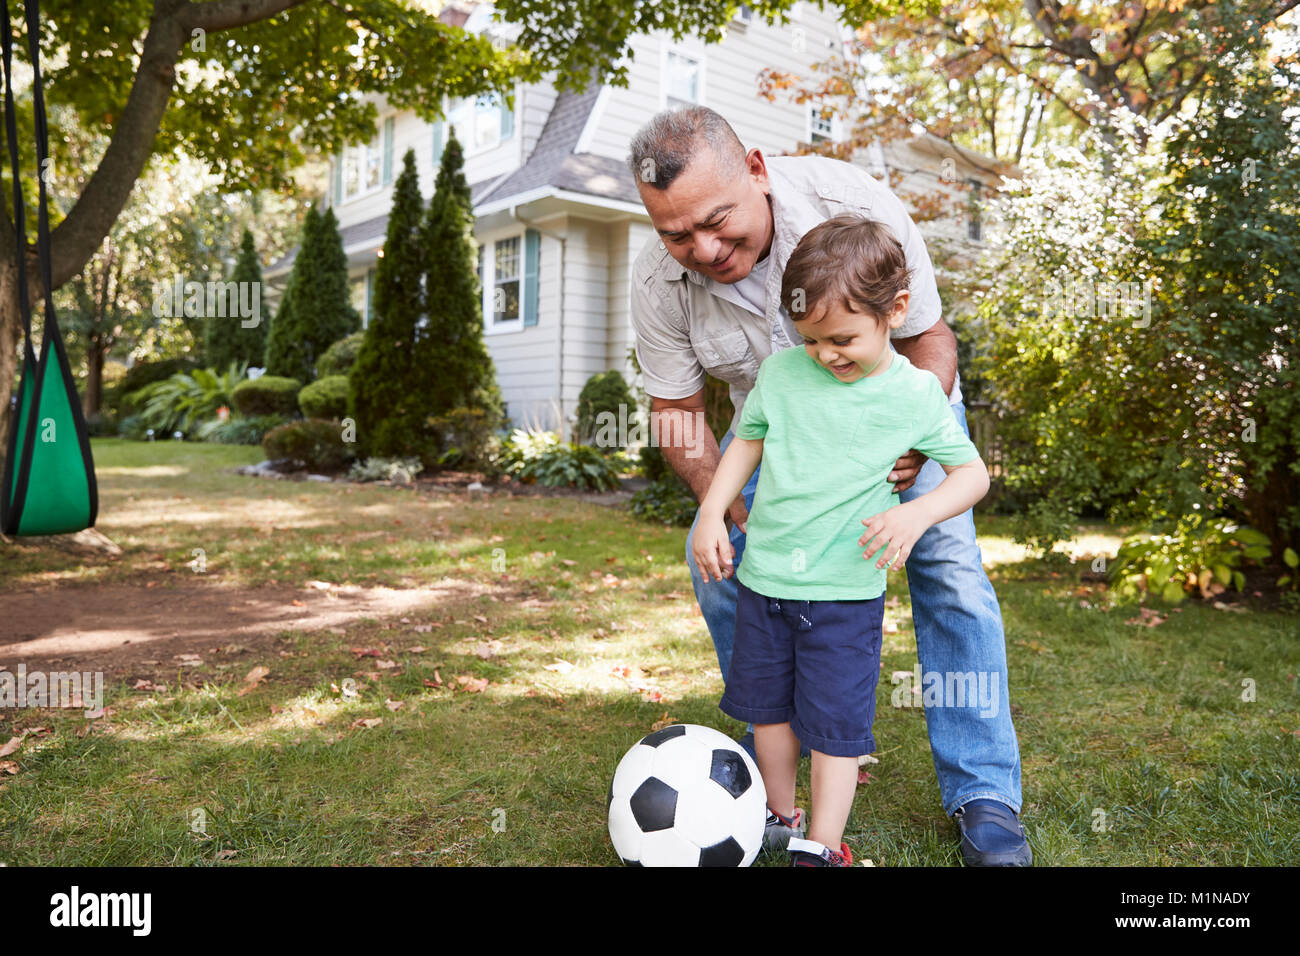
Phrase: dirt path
[119,628]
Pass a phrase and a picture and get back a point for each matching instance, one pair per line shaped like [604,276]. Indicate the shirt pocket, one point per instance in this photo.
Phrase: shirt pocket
[727,356]
[878,441]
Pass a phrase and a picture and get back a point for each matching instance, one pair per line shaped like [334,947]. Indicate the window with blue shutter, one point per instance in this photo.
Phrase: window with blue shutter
[532,255]
[388,150]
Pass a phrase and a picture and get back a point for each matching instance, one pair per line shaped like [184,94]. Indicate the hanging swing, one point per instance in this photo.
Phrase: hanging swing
[49,475]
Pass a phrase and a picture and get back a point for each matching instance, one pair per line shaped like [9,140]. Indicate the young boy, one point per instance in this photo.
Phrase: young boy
[827,423]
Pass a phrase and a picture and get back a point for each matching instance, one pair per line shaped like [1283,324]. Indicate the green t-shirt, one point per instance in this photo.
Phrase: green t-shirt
[828,447]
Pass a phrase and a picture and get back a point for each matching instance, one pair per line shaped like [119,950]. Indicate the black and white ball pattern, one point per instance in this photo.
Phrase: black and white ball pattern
[687,795]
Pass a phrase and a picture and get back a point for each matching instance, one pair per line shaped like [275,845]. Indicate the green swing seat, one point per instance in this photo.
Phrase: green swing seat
[49,475]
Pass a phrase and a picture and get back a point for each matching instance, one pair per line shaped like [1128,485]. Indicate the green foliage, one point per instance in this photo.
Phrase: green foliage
[1197,556]
[133,427]
[316,308]
[117,397]
[186,399]
[341,356]
[266,395]
[238,430]
[388,394]
[538,456]
[455,367]
[325,398]
[401,470]
[604,392]
[667,501]
[1140,312]
[315,442]
[466,438]
[226,340]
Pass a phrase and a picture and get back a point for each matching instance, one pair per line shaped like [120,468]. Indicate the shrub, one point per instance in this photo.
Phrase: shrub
[181,402]
[401,470]
[340,357]
[539,457]
[1197,555]
[117,396]
[603,393]
[325,398]
[267,395]
[317,443]
[101,424]
[133,427]
[667,501]
[466,438]
[239,431]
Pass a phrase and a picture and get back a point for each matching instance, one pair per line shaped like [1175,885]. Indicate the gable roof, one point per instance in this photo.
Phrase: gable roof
[552,162]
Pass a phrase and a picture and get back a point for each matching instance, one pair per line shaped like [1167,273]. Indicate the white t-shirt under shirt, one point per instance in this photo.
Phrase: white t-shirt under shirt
[749,292]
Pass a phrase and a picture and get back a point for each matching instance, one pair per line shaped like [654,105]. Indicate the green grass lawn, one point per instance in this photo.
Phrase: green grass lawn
[586,632]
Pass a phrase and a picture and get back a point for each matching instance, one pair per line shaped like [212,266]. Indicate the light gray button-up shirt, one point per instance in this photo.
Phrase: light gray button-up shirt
[688,325]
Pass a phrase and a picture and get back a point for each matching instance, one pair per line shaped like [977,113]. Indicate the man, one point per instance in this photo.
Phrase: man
[705,301]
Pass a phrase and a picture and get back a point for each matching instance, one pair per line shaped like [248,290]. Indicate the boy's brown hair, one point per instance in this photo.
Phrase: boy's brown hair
[850,259]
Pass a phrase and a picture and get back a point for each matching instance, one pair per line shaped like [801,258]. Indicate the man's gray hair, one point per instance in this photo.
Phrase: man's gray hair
[665,146]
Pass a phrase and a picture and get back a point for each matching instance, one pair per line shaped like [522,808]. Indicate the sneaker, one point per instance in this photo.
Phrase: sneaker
[811,853]
[780,830]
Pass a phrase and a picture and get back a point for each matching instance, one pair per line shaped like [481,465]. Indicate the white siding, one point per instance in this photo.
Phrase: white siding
[730,81]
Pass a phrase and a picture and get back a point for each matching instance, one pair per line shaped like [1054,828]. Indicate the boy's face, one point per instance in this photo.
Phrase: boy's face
[849,344]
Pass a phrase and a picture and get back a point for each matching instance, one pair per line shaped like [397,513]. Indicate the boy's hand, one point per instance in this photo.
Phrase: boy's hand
[893,532]
[905,470]
[712,548]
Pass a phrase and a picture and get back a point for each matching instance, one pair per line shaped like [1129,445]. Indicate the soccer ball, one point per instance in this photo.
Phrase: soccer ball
[687,796]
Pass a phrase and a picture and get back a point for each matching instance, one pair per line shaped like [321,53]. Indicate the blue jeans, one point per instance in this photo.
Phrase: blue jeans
[958,631]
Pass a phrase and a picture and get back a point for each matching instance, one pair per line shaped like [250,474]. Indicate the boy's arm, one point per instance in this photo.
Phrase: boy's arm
[738,463]
[897,529]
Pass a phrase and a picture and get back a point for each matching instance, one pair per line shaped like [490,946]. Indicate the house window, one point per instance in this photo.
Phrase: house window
[683,80]
[361,168]
[973,225]
[507,273]
[820,128]
[481,122]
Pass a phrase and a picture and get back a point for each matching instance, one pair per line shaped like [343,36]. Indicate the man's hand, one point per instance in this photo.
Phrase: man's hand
[738,514]
[906,469]
[711,546]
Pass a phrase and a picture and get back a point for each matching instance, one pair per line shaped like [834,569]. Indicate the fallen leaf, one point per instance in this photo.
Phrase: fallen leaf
[864,776]
[253,678]
[9,767]
[225,854]
[386,665]
[662,722]
[487,650]
[480,618]
[296,603]
[13,745]
[475,685]
[417,649]
[394,704]
[320,585]
[361,652]
[366,722]
[567,562]
[560,667]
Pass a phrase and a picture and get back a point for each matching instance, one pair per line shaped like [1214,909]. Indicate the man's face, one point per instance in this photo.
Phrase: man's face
[848,344]
[713,224]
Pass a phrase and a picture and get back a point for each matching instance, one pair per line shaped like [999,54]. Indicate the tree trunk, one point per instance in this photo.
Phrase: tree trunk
[11,330]
[94,376]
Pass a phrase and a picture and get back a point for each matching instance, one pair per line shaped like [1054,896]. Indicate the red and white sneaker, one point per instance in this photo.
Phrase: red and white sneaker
[780,830]
[811,853]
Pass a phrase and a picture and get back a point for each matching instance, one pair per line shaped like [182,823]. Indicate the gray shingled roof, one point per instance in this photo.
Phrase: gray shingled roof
[551,163]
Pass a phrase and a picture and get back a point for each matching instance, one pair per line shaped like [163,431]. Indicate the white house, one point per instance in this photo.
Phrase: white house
[559,220]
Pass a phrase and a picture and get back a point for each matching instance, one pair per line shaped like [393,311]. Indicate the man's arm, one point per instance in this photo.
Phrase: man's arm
[687,444]
[934,350]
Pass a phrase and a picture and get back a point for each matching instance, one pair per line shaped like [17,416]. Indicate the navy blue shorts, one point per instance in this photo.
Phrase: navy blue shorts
[814,664]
